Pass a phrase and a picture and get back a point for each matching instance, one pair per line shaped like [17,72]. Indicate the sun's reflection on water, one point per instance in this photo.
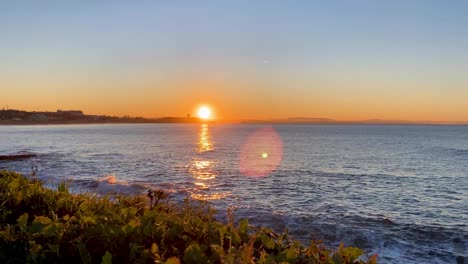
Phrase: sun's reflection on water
[204,139]
[208,197]
[202,168]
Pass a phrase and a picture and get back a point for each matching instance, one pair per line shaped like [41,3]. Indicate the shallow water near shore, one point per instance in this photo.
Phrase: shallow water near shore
[399,191]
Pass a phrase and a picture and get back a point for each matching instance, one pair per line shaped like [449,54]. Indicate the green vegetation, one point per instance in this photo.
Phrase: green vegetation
[40,225]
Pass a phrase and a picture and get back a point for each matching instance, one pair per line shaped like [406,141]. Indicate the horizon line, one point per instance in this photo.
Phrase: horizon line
[281,120]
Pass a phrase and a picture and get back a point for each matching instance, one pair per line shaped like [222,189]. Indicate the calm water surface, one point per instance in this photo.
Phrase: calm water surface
[399,191]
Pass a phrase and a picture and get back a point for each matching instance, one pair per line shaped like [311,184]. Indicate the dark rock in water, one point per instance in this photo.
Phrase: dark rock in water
[361,241]
[17,157]
[460,260]
[387,221]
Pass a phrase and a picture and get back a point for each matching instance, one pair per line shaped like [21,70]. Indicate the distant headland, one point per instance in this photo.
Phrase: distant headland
[19,117]
[329,121]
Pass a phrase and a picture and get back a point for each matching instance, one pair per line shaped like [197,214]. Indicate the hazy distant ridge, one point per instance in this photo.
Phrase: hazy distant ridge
[320,120]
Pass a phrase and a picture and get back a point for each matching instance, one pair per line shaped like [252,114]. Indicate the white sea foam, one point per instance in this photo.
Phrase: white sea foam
[109,184]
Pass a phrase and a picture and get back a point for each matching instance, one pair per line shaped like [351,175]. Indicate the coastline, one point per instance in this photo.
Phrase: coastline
[29,123]
[33,123]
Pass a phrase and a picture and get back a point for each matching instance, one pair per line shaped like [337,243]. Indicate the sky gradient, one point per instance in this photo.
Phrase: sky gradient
[347,60]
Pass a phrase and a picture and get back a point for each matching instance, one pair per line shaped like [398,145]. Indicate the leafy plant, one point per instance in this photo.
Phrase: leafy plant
[41,225]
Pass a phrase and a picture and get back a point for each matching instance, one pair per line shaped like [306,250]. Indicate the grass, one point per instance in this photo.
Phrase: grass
[40,225]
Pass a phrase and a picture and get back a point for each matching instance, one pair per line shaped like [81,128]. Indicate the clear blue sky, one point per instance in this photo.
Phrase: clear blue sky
[337,59]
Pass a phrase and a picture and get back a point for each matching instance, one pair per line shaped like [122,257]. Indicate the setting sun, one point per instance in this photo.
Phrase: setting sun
[204,112]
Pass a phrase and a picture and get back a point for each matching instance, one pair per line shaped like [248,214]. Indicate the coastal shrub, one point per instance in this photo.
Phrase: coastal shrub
[41,225]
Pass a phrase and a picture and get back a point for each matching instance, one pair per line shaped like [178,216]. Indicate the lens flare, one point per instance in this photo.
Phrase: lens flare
[261,153]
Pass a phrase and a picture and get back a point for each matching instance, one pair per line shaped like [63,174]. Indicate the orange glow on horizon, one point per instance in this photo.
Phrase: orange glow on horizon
[326,100]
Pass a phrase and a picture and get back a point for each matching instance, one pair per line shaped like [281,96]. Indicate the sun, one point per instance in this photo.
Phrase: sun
[204,112]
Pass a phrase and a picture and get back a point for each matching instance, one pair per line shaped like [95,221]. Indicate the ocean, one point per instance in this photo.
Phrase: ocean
[398,191]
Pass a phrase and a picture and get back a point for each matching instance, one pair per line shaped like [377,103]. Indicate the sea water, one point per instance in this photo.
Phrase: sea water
[398,191]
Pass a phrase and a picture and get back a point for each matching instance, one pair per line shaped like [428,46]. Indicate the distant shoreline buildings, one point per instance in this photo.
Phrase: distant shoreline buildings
[12,116]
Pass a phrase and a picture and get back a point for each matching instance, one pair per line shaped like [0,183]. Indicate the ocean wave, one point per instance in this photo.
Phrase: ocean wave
[458,152]
[19,155]
[403,241]
[25,152]
[390,238]
[110,185]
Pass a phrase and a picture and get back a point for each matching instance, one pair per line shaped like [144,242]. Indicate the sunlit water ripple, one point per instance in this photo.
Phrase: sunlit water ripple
[399,191]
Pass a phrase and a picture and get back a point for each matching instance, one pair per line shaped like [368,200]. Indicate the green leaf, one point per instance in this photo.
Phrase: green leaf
[235,239]
[63,187]
[173,260]
[135,249]
[268,242]
[222,230]
[290,253]
[39,223]
[217,250]
[35,249]
[50,230]
[23,221]
[107,258]
[352,253]
[337,259]
[135,222]
[194,254]
[243,226]
[346,255]
[263,257]
[154,248]
[84,254]
[89,220]
[42,220]
[66,217]
[244,229]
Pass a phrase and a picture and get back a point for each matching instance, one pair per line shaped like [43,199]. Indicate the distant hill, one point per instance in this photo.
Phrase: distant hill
[318,120]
